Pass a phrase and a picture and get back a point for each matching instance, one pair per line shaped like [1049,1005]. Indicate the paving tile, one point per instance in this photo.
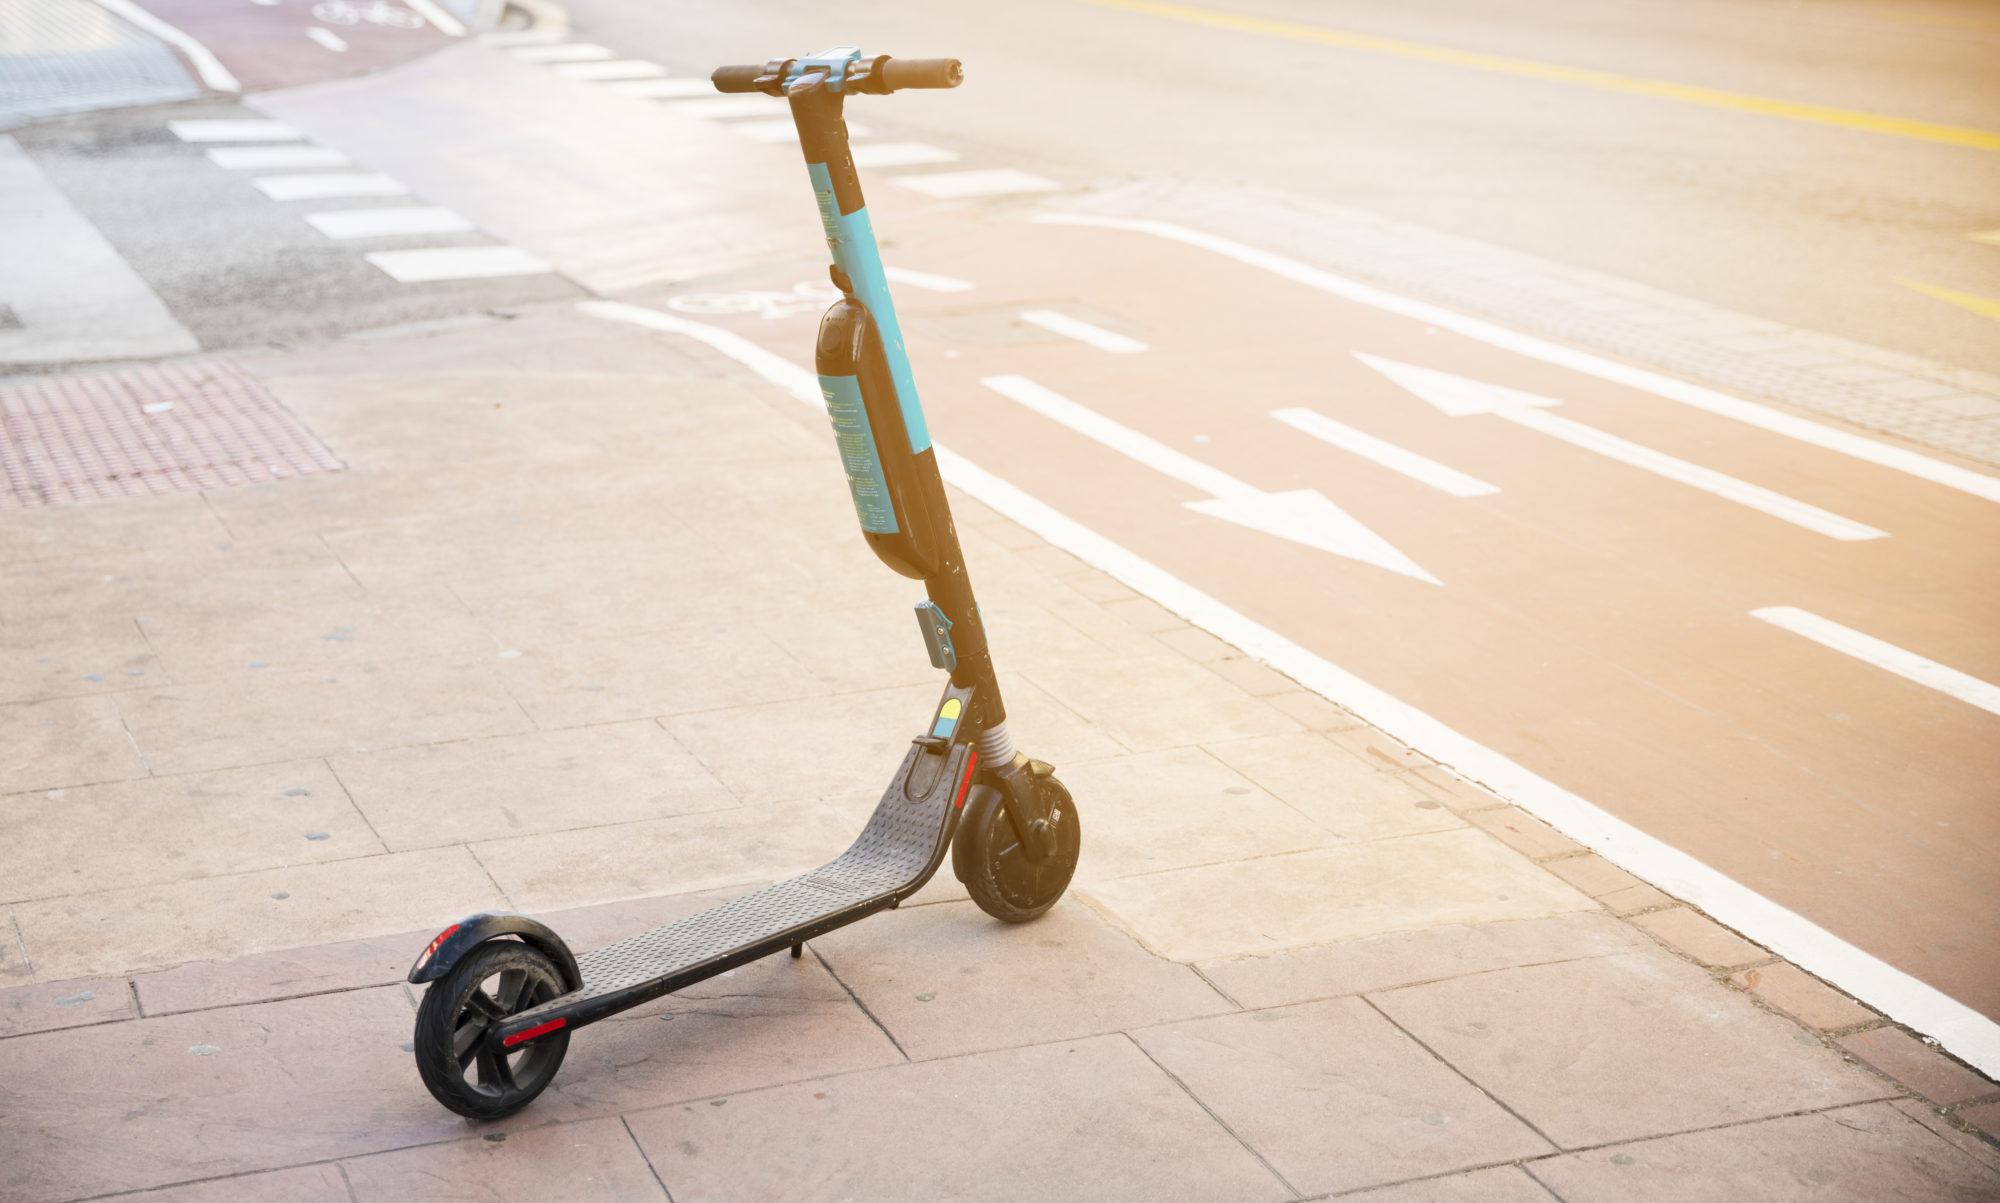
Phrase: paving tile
[1107,1125]
[578,1163]
[1501,1184]
[1869,1152]
[74,654]
[1312,711]
[854,743]
[1376,748]
[1702,938]
[1276,902]
[289,633]
[252,718]
[1983,1117]
[320,1183]
[145,927]
[672,856]
[1196,644]
[1257,680]
[679,671]
[948,979]
[519,784]
[1592,874]
[1333,787]
[1144,614]
[1649,1045]
[1179,807]
[124,1106]
[46,1006]
[65,741]
[1917,1065]
[286,973]
[1459,795]
[165,829]
[1148,703]
[1633,899]
[1335,1098]
[1802,996]
[1406,958]
[1524,833]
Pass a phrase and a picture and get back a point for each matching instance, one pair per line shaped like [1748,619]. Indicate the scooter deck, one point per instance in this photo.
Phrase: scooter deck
[897,852]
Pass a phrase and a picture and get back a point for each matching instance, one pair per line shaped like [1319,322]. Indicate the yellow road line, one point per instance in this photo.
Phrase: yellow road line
[1818,114]
[1983,306]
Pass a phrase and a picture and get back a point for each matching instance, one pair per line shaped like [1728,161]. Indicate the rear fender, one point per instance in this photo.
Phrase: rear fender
[468,933]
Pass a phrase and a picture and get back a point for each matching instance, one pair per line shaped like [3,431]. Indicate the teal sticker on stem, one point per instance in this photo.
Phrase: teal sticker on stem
[851,238]
[857,453]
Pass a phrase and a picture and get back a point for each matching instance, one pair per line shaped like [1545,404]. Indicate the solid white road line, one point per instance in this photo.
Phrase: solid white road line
[436,14]
[1459,396]
[925,280]
[1303,516]
[273,158]
[998,181]
[387,223]
[665,89]
[519,37]
[610,69]
[902,154]
[1962,1030]
[322,185]
[1750,413]
[1390,456]
[1887,656]
[457,263]
[561,52]
[1082,331]
[233,130]
[327,38]
[729,107]
[213,74]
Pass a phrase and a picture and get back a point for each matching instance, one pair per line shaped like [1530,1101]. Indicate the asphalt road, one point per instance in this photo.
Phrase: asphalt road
[1822,227]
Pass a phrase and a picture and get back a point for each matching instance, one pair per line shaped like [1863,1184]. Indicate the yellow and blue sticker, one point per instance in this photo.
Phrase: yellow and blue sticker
[947,719]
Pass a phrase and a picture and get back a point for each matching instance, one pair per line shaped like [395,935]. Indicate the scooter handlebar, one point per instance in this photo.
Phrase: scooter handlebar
[879,75]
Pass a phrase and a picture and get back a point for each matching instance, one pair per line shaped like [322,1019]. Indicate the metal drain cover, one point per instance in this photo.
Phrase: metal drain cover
[130,432]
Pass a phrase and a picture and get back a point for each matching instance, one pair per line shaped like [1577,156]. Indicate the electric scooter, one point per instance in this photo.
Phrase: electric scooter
[505,992]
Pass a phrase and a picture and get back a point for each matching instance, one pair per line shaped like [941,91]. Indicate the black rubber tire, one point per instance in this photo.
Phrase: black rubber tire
[452,1031]
[997,872]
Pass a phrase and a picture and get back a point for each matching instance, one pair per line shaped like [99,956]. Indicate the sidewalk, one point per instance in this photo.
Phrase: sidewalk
[584,629]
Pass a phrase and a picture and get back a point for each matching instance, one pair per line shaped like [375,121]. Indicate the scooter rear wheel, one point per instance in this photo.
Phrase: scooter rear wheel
[461,1062]
[996,870]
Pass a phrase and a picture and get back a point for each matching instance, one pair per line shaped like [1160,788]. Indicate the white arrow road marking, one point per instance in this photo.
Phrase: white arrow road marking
[1960,1029]
[1750,413]
[1868,649]
[1390,456]
[1082,331]
[1300,515]
[1459,397]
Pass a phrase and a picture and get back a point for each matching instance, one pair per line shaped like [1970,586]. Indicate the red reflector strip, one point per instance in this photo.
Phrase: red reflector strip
[540,1029]
[971,763]
[434,945]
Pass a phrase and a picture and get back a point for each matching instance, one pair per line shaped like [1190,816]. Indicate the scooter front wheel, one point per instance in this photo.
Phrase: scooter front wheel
[997,871]
[458,1055]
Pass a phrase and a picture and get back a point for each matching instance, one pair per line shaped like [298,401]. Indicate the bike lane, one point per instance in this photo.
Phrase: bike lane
[279,45]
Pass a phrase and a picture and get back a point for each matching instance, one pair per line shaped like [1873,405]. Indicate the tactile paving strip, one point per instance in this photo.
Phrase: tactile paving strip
[130,432]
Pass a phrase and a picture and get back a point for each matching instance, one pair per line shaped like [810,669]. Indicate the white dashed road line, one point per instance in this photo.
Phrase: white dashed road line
[1886,656]
[902,154]
[457,263]
[322,185]
[726,107]
[389,222]
[275,158]
[926,280]
[1082,331]
[561,52]
[995,181]
[663,89]
[327,38]
[234,130]
[782,130]
[610,69]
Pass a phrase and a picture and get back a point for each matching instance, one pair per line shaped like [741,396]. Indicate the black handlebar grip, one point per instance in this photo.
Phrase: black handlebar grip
[737,79]
[899,73]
